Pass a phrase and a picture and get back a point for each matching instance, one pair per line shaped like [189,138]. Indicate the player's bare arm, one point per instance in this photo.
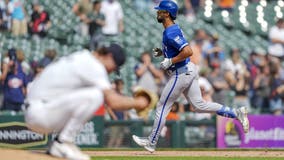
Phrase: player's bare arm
[120,102]
[184,53]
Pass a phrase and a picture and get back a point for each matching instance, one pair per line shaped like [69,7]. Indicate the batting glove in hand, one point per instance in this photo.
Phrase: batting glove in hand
[157,52]
[167,62]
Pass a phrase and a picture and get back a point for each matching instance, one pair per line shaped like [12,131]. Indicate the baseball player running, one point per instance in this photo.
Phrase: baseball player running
[67,93]
[183,78]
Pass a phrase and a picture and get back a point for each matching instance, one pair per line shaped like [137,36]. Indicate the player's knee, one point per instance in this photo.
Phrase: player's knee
[35,118]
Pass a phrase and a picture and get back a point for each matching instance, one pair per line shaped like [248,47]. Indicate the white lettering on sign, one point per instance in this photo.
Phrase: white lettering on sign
[20,135]
[274,134]
[87,136]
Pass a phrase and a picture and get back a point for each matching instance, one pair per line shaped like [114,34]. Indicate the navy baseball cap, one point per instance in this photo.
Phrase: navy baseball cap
[117,54]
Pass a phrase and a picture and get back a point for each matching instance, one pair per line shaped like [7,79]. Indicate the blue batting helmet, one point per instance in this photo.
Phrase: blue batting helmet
[169,6]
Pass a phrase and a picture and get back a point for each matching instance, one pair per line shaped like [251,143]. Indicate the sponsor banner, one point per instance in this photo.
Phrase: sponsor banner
[90,135]
[16,134]
[266,131]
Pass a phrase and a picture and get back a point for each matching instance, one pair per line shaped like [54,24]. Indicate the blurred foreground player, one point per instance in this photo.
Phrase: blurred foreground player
[67,93]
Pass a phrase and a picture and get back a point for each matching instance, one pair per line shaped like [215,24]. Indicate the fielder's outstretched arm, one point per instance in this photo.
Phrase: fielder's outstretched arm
[120,102]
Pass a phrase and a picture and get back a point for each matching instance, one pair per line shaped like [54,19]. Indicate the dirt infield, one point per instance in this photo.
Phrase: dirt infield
[12,154]
[190,153]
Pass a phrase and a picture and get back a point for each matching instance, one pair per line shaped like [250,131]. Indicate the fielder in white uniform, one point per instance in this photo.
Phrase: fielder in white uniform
[67,93]
[183,78]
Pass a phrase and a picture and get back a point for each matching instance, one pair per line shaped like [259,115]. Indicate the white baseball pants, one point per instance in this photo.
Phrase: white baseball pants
[65,114]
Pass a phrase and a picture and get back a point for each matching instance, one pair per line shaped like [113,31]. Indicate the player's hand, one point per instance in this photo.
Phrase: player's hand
[157,52]
[166,63]
[141,102]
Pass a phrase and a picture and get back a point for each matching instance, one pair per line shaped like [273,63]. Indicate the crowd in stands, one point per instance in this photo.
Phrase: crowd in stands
[227,78]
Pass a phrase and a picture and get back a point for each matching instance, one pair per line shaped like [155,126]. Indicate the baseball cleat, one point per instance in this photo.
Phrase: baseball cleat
[67,150]
[144,142]
[243,118]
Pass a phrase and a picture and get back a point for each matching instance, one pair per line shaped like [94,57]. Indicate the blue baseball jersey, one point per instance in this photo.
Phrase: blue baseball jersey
[173,43]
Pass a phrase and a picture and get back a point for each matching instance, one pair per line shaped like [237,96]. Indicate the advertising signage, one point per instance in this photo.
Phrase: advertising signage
[266,131]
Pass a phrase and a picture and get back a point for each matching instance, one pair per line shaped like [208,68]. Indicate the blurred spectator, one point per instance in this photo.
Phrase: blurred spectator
[256,59]
[19,23]
[191,8]
[199,40]
[22,61]
[26,68]
[226,4]
[275,99]
[38,66]
[113,17]
[241,88]
[219,84]
[117,132]
[173,115]
[189,11]
[148,76]
[280,91]
[212,51]
[96,21]
[142,5]
[276,37]
[14,82]
[237,76]
[82,8]
[40,21]
[234,64]
[36,69]
[5,17]
[49,56]
[196,4]
[259,79]
[205,86]
[261,88]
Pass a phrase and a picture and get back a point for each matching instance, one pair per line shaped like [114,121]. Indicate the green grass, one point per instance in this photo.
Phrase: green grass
[184,158]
